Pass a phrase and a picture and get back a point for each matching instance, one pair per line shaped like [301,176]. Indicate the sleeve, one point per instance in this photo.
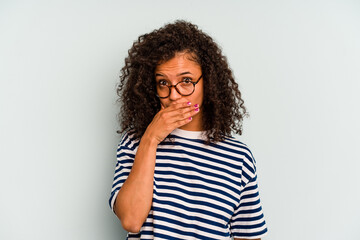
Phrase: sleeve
[125,159]
[248,220]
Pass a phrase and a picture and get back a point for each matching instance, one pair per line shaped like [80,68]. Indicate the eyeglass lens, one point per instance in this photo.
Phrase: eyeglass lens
[184,88]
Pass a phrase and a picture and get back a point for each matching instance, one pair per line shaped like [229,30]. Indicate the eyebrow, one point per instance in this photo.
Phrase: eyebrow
[180,74]
[184,73]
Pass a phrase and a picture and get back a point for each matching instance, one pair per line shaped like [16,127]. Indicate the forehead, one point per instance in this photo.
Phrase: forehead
[179,63]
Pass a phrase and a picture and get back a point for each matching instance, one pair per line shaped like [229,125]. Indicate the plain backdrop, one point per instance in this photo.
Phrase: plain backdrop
[297,64]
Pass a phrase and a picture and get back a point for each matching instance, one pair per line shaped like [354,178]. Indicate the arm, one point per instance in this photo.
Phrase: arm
[134,199]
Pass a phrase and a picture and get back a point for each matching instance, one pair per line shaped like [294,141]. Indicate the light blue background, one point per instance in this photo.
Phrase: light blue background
[297,64]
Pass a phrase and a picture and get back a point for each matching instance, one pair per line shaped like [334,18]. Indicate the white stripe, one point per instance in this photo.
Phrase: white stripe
[113,200]
[244,149]
[234,173]
[199,190]
[248,215]
[248,192]
[187,221]
[196,166]
[190,213]
[251,230]
[191,205]
[126,155]
[247,223]
[194,173]
[252,207]
[119,184]
[196,181]
[185,229]
[195,198]
[202,153]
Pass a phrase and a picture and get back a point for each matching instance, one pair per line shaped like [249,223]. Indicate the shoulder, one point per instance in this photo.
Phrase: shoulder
[239,148]
[128,141]
[244,155]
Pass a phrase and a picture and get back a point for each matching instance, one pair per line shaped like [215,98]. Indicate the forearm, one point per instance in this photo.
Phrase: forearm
[134,199]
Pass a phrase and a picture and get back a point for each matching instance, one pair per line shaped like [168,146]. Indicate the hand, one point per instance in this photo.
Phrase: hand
[168,118]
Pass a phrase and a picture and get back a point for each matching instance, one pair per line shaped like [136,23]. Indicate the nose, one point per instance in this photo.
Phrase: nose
[174,95]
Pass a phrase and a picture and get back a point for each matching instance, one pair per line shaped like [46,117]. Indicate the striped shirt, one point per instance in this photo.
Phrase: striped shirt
[200,191]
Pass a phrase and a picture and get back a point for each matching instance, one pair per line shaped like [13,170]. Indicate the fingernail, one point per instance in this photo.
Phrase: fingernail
[196,109]
[190,118]
[188,103]
[196,105]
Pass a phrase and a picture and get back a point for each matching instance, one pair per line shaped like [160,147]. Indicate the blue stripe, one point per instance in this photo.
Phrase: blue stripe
[197,202]
[187,156]
[196,194]
[249,226]
[186,225]
[231,141]
[198,162]
[250,219]
[183,233]
[118,182]
[246,204]
[190,153]
[246,176]
[190,209]
[192,218]
[189,168]
[231,151]
[134,235]
[250,195]
[250,211]
[160,235]
[121,154]
[112,196]
[160,172]
[195,185]
[250,234]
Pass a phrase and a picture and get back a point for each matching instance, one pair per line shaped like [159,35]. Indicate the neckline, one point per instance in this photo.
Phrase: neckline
[189,134]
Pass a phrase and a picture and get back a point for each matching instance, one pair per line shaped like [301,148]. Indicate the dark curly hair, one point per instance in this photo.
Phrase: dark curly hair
[223,107]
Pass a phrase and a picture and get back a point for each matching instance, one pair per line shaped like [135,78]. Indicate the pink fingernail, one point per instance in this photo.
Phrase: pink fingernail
[196,105]
[196,109]
[190,118]
[188,103]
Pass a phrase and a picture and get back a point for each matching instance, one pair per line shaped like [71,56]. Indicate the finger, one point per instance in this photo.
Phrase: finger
[179,110]
[187,115]
[182,122]
[176,104]
[186,112]
[179,105]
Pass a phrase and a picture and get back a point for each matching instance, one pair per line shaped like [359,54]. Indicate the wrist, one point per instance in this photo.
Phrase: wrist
[149,140]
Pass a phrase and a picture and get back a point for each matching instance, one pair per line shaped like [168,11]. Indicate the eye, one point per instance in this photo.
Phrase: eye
[187,80]
[162,83]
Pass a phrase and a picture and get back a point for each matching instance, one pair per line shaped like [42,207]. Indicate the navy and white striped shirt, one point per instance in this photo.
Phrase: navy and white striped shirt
[200,191]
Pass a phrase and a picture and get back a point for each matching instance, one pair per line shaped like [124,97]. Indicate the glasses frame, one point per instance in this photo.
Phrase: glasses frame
[170,86]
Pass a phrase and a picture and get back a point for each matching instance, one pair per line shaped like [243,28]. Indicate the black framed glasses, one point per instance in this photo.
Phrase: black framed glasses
[185,87]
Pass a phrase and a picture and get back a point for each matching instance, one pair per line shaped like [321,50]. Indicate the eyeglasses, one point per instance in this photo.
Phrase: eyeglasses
[185,87]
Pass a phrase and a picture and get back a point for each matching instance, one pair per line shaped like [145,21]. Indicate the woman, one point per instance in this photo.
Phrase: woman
[179,173]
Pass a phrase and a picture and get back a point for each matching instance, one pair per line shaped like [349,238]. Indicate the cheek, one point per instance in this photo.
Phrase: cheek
[200,94]
[163,102]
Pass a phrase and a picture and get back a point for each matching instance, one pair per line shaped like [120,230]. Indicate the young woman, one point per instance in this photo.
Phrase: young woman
[179,172]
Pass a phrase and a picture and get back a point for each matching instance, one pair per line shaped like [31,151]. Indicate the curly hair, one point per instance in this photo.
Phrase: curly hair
[223,107]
